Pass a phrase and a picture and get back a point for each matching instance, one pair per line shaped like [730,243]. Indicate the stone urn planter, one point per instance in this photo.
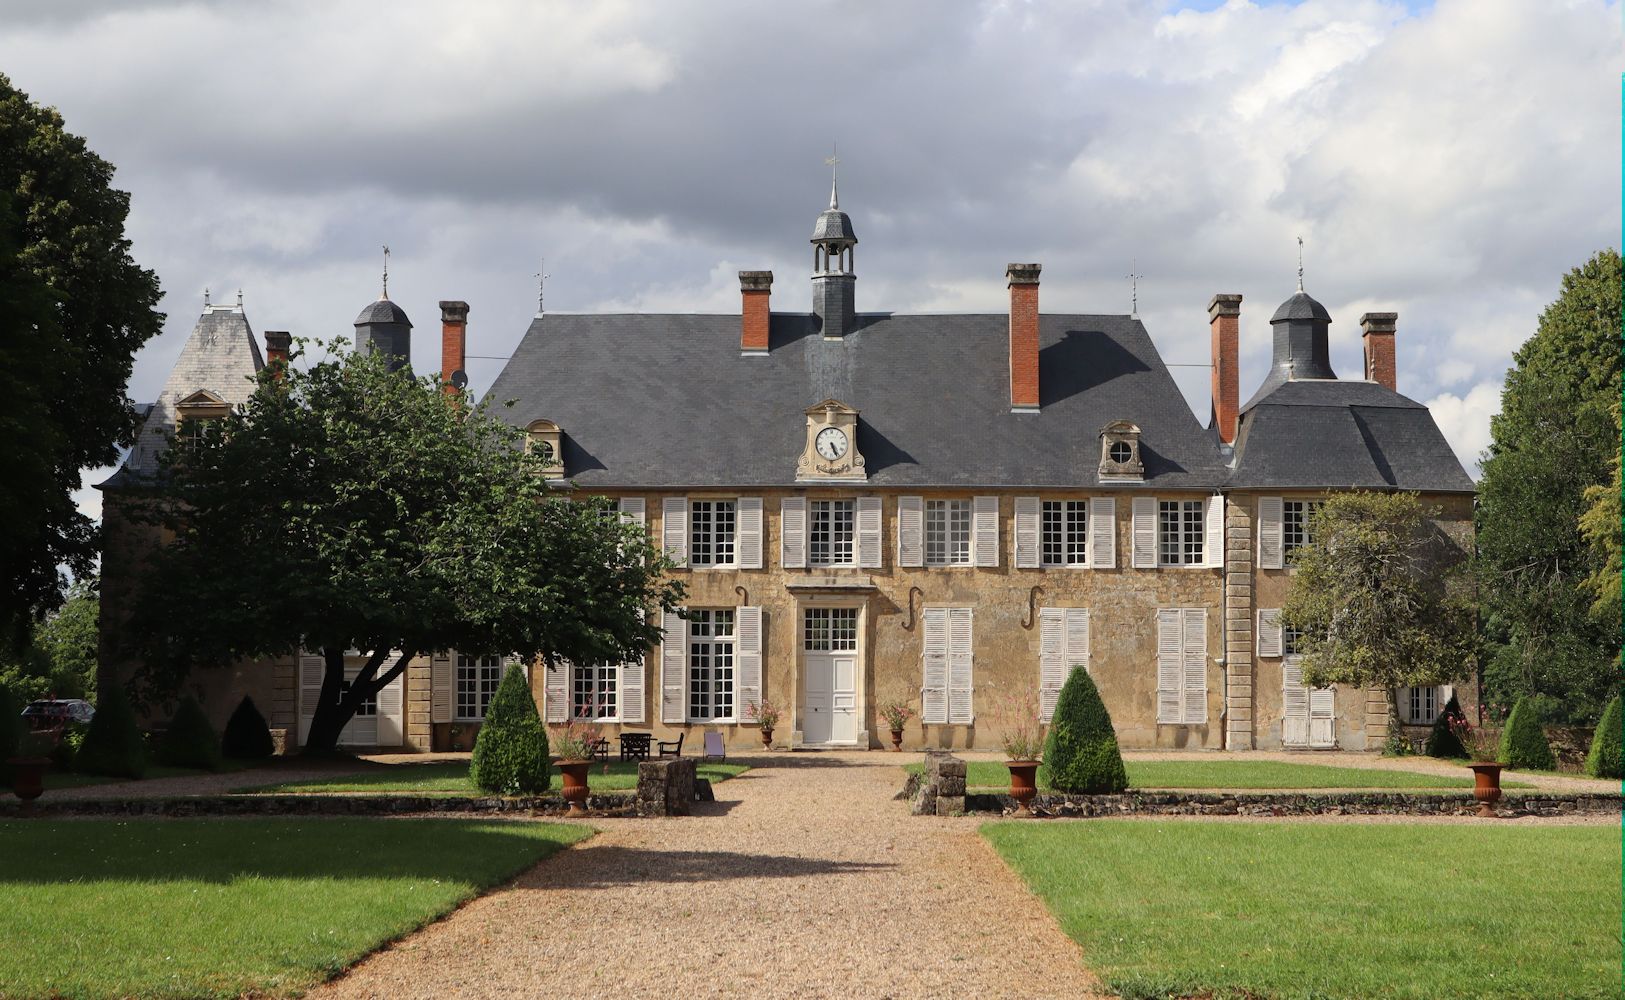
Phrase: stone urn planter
[28,776]
[1023,783]
[767,738]
[896,741]
[575,784]
[1486,786]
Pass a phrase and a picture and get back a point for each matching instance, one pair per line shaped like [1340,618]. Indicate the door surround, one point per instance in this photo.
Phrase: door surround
[799,715]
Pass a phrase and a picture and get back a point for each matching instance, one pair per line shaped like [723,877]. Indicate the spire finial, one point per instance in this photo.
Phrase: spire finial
[1300,263]
[1134,288]
[541,277]
[205,296]
[386,272]
[833,160]
[239,300]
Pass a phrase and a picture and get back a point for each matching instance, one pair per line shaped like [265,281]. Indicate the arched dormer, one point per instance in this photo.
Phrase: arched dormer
[543,437]
[1120,453]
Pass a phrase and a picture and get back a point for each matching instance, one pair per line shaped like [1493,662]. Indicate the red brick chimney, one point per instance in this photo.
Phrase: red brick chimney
[454,344]
[1023,282]
[754,288]
[1224,315]
[277,343]
[1377,331]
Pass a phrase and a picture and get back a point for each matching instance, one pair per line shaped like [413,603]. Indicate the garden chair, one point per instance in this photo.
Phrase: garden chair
[714,749]
[673,748]
[600,748]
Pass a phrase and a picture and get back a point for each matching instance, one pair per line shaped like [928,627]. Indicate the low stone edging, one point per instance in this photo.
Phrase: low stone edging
[248,804]
[1299,804]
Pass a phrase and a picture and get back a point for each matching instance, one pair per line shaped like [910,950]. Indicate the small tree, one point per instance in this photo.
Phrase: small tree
[247,737]
[511,754]
[1523,742]
[1081,754]
[1604,760]
[113,745]
[1442,740]
[190,741]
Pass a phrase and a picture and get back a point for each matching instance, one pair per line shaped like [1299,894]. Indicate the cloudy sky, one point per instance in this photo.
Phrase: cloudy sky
[1448,161]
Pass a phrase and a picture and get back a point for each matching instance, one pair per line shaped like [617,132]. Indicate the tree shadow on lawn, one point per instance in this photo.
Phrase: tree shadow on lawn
[609,867]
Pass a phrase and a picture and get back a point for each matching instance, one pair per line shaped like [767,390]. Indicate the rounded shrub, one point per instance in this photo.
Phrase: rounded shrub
[190,741]
[1523,743]
[1080,754]
[247,737]
[113,744]
[1442,740]
[1604,760]
[511,755]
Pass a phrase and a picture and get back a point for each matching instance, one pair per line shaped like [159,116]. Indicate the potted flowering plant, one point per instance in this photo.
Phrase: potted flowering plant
[1483,746]
[766,715]
[1023,739]
[573,743]
[896,714]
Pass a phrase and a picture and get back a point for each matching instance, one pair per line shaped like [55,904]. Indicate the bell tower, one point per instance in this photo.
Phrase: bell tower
[834,282]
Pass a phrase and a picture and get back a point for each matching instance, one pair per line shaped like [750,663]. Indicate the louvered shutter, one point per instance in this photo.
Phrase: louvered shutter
[1294,704]
[934,694]
[630,696]
[392,711]
[1322,721]
[1213,543]
[674,529]
[442,677]
[1051,659]
[1195,662]
[1269,532]
[312,667]
[1103,532]
[748,639]
[910,531]
[748,536]
[868,516]
[959,667]
[793,532]
[1145,533]
[1170,665]
[632,510]
[673,668]
[1077,639]
[985,531]
[1269,631]
[1027,533]
[556,691]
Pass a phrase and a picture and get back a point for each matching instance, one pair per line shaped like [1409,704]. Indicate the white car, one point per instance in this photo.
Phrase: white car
[52,713]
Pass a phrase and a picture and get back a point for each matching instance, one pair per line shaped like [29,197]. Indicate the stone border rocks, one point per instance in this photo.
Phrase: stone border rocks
[1299,804]
[609,803]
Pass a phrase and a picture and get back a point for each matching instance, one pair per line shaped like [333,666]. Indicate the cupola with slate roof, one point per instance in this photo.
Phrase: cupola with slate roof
[834,282]
[383,328]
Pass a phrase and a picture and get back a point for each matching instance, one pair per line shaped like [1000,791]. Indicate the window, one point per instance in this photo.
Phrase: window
[368,706]
[1290,641]
[593,691]
[711,526]
[947,532]
[830,630]
[829,538]
[1181,532]
[711,664]
[1120,452]
[477,680]
[1064,532]
[1295,515]
[1421,705]
[189,432]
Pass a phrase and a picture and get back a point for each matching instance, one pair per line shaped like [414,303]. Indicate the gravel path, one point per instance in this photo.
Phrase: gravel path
[804,879]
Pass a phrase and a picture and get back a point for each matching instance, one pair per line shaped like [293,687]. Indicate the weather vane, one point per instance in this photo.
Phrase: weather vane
[205,296]
[541,277]
[386,270]
[833,160]
[1134,288]
[1300,263]
[239,300]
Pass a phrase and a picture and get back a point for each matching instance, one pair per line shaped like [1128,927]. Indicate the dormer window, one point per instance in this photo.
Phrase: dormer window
[542,438]
[1120,453]
[193,413]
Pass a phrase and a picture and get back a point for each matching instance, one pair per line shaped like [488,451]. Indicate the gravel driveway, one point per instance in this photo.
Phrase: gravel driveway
[804,879]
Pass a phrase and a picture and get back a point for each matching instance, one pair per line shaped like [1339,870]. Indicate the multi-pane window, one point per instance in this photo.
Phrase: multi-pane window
[477,680]
[593,691]
[710,664]
[368,706]
[1181,532]
[947,532]
[1065,532]
[1421,705]
[830,533]
[1295,515]
[830,630]
[711,532]
[1291,640]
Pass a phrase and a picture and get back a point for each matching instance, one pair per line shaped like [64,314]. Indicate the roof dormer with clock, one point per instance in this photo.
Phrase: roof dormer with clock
[831,450]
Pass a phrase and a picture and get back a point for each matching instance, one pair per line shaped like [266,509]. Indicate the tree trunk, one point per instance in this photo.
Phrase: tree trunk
[333,712]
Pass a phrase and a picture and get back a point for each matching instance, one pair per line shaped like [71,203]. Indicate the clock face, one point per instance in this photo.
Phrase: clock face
[830,443]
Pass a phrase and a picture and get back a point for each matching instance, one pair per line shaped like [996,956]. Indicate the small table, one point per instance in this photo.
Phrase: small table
[635,746]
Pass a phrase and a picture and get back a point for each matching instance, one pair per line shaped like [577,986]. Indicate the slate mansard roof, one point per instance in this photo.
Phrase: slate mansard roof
[668,401]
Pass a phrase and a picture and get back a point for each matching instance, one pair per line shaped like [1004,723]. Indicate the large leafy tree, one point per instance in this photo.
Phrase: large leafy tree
[1555,437]
[60,658]
[77,308]
[1376,598]
[350,507]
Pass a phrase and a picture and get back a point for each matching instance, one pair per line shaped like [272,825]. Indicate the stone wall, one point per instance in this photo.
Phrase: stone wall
[1301,804]
[666,787]
[607,803]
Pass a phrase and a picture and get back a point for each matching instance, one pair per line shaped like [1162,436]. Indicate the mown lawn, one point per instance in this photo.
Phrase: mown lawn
[1239,774]
[182,908]
[72,779]
[451,777]
[1330,911]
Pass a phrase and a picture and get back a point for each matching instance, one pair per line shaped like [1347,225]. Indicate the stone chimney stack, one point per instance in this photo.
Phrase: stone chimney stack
[1023,283]
[454,344]
[1377,333]
[754,288]
[1224,316]
[277,345]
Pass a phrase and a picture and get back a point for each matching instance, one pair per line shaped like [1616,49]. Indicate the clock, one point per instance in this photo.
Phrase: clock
[830,443]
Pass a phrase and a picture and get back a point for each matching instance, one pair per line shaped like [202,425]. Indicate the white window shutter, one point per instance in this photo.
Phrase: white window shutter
[934,694]
[910,531]
[1103,532]
[1077,639]
[1027,547]
[748,536]
[1269,532]
[556,691]
[1322,717]
[629,699]
[312,667]
[1195,653]
[674,529]
[392,710]
[868,516]
[1170,666]
[632,511]
[985,531]
[748,640]
[1051,659]
[1213,544]
[960,711]
[441,679]
[793,532]
[1145,533]
[1269,631]
[1294,704]
[673,668]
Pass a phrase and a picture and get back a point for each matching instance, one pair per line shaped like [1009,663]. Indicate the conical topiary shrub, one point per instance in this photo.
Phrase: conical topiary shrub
[510,755]
[1442,740]
[1080,754]
[11,731]
[247,737]
[190,741]
[1523,743]
[1604,760]
[113,745]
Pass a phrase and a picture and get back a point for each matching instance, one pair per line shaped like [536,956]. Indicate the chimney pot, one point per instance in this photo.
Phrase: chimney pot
[1377,333]
[1224,317]
[277,345]
[1023,284]
[453,342]
[756,319]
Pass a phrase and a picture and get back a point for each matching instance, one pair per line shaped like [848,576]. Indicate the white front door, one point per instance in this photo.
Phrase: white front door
[830,666]
[1308,718]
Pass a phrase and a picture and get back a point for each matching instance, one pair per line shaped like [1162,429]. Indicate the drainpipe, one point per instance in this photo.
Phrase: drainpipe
[1223,659]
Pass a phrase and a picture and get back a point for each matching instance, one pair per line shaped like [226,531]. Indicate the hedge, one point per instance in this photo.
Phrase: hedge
[247,737]
[190,741]
[511,754]
[1604,760]
[1080,753]
[1442,740]
[1523,743]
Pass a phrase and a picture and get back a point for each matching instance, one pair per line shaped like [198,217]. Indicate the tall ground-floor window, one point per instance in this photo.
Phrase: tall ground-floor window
[710,664]
[477,680]
[594,692]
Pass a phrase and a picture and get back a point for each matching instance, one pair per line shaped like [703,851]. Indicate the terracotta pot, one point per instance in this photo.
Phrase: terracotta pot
[28,776]
[1486,787]
[897,741]
[575,784]
[1023,783]
[767,739]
